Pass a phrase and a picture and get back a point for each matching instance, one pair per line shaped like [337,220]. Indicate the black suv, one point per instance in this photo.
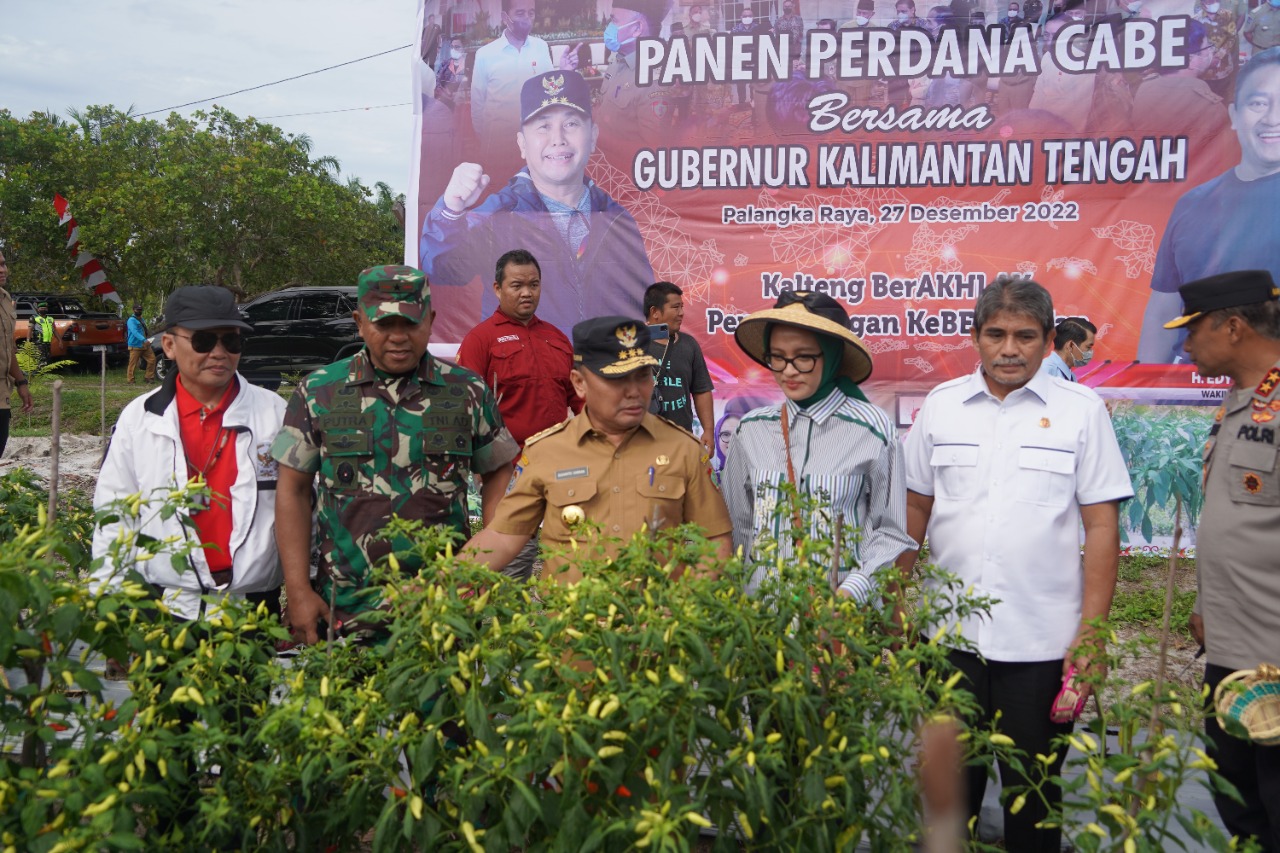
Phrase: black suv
[295,330]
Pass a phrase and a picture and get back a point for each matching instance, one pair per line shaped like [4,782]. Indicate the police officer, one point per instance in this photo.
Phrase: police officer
[389,431]
[1233,329]
[613,465]
[41,331]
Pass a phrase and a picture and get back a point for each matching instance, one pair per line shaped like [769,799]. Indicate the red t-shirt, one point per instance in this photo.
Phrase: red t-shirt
[211,451]
[527,368]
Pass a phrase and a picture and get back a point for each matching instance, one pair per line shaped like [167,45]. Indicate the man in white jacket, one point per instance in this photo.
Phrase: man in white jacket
[204,423]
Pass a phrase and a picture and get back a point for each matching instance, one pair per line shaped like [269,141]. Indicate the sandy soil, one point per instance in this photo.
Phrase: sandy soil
[78,462]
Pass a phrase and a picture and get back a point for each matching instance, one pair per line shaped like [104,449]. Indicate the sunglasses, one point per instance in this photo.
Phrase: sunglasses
[204,341]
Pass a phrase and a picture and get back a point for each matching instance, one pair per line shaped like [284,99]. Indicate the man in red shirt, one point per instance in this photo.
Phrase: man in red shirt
[205,424]
[525,361]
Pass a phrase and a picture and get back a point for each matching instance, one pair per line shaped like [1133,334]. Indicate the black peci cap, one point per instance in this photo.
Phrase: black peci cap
[612,346]
[554,89]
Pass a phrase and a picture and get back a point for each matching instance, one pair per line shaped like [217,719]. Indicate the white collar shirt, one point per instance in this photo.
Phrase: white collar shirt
[845,453]
[497,78]
[1008,479]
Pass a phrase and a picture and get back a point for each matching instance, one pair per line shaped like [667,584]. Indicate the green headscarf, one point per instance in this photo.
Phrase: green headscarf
[832,357]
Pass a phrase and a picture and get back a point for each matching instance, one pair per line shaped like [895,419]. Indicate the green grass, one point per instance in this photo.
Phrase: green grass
[81,402]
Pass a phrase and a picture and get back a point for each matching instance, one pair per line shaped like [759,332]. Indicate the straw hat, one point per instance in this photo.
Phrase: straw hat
[816,312]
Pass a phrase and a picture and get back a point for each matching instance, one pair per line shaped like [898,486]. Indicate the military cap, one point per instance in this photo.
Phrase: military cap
[612,346]
[1227,290]
[554,89]
[202,306]
[394,291]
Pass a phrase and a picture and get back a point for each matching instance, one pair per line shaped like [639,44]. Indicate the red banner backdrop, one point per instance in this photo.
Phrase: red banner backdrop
[898,166]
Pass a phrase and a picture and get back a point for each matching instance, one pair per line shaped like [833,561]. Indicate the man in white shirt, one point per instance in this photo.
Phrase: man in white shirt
[499,72]
[1002,466]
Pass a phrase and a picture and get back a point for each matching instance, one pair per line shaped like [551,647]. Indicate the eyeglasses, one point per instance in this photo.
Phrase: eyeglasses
[803,363]
[204,341]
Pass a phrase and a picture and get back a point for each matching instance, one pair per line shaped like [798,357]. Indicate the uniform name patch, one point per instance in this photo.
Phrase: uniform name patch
[1250,432]
[571,473]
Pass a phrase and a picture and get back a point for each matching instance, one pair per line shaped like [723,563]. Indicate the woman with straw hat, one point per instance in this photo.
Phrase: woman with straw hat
[826,439]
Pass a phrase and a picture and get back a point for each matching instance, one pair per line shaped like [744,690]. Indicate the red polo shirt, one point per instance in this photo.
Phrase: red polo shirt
[527,367]
[211,451]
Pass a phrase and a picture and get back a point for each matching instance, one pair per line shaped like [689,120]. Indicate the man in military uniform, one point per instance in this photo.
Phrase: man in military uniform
[389,431]
[1233,329]
[613,465]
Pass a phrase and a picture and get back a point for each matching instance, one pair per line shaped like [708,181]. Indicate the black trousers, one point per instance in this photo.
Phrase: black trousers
[1253,769]
[1023,694]
[4,429]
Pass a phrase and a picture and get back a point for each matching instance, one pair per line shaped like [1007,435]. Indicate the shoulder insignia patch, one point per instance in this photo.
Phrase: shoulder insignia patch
[546,432]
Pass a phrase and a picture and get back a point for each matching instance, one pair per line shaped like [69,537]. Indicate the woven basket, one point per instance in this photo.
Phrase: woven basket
[1254,703]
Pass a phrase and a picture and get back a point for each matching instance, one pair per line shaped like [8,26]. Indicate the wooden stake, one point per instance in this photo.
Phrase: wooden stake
[1165,626]
[102,394]
[54,452]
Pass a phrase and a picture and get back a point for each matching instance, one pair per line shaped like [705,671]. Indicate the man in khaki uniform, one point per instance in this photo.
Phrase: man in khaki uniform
[1233,329]
[11,375]
[613,465]
[637,114]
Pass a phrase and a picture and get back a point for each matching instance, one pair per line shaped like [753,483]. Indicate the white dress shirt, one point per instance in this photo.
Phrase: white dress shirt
[497,77]
[1008,479]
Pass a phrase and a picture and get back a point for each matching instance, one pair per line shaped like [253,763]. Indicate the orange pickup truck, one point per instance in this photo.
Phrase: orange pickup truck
[77,331]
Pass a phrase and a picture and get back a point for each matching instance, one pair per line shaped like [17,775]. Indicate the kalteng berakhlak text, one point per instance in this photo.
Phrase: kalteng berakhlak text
[914,164]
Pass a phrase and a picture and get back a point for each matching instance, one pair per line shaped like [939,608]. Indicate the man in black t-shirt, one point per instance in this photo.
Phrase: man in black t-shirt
[683,386]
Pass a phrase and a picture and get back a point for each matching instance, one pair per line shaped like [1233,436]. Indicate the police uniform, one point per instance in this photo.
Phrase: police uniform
[572,477]
[1238,579]
[389,445]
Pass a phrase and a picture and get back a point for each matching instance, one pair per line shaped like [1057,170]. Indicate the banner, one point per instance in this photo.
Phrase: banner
[899,158]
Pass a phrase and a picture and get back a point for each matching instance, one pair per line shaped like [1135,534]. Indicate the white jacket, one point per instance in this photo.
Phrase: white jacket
[145,455]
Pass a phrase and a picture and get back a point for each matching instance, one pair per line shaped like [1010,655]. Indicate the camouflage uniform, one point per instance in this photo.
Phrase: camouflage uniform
[388,445]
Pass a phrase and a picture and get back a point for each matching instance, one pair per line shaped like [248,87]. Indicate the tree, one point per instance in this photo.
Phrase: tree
[213,198]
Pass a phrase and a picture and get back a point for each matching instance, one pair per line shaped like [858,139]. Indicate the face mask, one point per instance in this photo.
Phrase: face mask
[1135,6]
[1213,8]
[1014,14]
[611,42]
[863,20]
[903,17]
[695,17]
[458,54]
[787,10]
[1276,3]
[979,22]
[1082,358]
[747,19]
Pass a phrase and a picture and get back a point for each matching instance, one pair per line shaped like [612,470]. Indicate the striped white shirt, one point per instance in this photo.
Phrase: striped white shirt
[846,455]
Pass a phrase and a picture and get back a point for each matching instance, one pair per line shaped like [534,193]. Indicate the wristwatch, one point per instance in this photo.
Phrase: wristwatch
[18,383]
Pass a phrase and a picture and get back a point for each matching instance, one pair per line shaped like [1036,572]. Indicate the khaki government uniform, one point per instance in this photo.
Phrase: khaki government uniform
[573,467]
[1262,29]
[8,320]
[1239,579]
[631,113]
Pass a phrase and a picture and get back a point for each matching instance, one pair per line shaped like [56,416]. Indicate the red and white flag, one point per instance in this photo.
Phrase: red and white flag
[91,271]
